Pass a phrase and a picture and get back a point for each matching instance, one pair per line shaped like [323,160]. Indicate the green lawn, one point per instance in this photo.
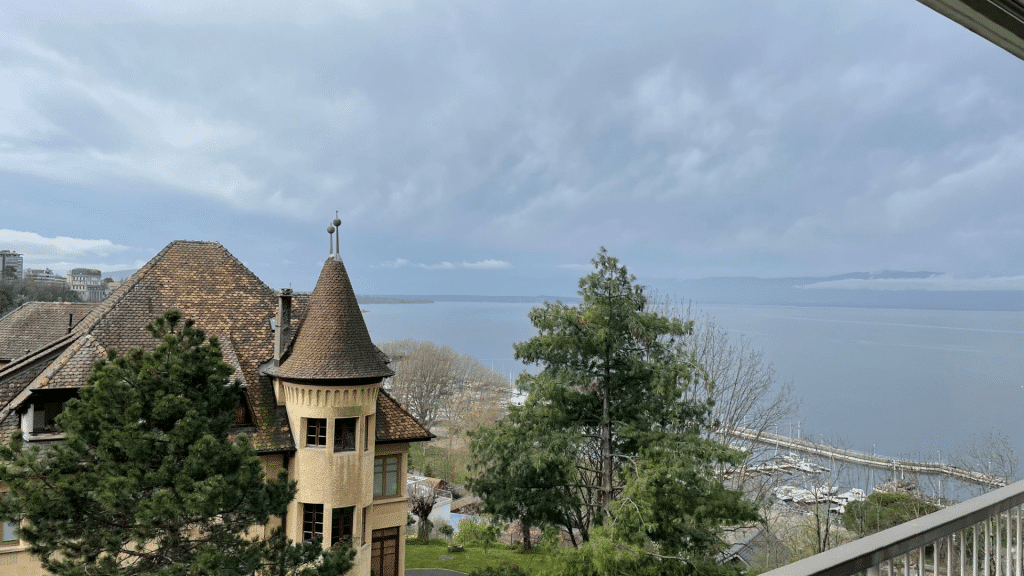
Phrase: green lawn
[429,556]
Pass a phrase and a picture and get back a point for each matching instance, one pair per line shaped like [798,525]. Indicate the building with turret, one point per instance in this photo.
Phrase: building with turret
[312,402]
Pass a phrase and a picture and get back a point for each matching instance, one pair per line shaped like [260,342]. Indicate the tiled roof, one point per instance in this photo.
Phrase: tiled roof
[17,376]
[333,343]
[395,424]
[206,283]
[33,325]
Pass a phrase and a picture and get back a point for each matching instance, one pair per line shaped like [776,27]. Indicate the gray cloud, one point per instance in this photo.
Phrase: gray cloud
[788,139]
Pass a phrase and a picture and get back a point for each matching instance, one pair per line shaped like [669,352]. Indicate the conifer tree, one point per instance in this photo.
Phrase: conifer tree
[639,485]
[148,480]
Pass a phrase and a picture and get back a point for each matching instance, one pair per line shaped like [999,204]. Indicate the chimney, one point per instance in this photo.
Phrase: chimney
[282,324]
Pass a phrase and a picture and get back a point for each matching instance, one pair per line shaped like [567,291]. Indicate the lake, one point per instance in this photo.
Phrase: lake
[909,383]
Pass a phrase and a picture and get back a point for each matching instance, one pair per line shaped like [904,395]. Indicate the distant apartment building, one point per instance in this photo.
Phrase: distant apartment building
[44,275]
[14,260]
[88,283]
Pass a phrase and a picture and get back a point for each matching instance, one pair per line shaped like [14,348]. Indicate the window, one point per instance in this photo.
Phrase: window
[385,476]
[345,434]
[45,421]
[368,431]
[10,534]
[316,432]
[341,524]
[312,522]
[243,416]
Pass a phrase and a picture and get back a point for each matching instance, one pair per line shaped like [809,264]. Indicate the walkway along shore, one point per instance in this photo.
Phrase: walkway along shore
[809,447]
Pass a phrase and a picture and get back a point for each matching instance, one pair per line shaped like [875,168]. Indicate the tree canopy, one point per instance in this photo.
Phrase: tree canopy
[15,292]
[882,510]
[439,386]
[607,437]
[148,479]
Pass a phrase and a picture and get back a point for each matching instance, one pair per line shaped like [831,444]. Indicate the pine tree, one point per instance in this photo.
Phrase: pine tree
[148,480]
[639,485]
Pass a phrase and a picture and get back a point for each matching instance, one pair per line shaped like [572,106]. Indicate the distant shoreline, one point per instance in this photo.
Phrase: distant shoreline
[432,298]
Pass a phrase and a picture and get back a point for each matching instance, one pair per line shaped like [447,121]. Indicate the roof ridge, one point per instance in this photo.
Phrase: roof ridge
[19,362]
[110,302]
[96,315]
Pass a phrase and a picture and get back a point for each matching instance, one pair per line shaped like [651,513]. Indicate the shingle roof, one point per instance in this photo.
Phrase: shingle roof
[17,376]
[333,343]
[395,424]
[206,283]
[33,325]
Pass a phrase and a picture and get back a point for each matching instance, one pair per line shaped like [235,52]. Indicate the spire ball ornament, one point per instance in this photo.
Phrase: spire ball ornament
[337,221]
[330,229]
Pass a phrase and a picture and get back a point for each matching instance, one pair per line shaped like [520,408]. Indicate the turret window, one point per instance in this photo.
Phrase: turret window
[369,430]
[345,434]
[312,522]
[316,432]
[342,520]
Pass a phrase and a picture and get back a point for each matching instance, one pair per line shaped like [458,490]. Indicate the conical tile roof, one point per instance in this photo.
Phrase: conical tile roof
[333,343]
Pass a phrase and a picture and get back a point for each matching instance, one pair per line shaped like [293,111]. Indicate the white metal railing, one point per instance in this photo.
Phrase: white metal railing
[979,537]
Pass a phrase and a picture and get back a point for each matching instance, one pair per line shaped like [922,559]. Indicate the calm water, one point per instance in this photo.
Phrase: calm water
[908,382]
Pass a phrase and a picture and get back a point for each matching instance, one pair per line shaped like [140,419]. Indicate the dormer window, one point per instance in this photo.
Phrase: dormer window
[243,415]
[39,421]
[45,421]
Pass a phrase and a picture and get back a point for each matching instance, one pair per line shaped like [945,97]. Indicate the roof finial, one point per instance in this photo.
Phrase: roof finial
[330,239]
[337,239]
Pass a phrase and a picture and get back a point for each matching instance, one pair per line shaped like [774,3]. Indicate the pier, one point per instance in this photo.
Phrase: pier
[853,457]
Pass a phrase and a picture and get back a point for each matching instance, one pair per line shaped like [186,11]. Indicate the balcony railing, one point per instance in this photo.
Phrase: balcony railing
[979,537]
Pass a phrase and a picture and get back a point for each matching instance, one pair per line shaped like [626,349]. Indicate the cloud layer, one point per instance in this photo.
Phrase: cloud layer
[691,139]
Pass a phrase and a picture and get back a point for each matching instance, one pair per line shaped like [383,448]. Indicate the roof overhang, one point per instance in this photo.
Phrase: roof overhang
[1001,22]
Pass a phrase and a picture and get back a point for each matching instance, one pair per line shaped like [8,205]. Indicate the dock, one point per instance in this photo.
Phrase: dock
[860,458]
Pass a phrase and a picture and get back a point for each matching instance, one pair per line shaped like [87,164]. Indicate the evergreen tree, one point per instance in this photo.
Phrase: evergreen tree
[148,480]
[607,441]
[524,473]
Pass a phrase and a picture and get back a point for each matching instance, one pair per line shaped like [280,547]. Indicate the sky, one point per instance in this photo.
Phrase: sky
[492,147]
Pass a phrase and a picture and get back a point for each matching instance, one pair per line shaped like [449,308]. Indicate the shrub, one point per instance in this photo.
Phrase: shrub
[473,533]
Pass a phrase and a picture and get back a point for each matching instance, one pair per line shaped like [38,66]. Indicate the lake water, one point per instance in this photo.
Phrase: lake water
[908,383]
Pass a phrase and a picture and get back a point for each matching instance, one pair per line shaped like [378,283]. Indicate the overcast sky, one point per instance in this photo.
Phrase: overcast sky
[489,147]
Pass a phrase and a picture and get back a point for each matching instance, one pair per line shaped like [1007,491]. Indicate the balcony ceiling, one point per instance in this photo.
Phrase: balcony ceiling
[998,21]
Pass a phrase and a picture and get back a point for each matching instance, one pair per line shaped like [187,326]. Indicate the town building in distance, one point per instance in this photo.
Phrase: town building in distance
[12,265]
[44,275]
[87,283]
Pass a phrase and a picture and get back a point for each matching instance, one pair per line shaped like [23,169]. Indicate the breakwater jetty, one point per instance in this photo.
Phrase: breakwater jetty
[862,459]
